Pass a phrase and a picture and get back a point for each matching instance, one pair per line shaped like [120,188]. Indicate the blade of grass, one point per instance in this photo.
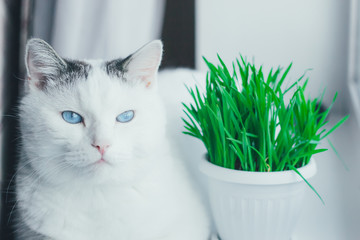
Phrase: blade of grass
[307,182]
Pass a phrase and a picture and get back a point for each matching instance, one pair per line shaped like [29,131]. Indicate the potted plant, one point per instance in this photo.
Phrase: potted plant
[259,147]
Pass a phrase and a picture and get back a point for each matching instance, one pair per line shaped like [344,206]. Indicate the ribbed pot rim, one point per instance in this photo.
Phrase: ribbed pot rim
[256,178]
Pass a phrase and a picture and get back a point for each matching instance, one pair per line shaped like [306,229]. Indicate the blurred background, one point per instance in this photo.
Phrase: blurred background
[320,35]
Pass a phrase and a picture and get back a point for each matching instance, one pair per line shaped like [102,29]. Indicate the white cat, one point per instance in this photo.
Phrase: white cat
[95,162]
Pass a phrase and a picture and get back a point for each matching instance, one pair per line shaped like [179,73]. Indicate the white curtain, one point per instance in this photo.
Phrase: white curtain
[105,29]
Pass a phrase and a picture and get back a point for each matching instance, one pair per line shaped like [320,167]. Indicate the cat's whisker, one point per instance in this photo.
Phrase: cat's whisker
[26,163]
[12,211]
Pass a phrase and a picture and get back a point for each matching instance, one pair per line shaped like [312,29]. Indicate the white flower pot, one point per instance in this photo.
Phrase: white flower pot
[255,205]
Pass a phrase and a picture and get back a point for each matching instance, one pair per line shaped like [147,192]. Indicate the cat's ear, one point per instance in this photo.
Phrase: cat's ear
[43,64]
[142,65]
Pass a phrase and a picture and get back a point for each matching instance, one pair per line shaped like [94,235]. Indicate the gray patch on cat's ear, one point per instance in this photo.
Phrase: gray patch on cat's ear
[43,64]
[45,68]
[141,66]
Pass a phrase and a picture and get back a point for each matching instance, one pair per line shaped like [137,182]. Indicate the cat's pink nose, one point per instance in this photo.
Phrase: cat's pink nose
[100,148]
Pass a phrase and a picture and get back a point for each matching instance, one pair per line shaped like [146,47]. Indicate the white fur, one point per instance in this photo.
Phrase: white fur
[141,192]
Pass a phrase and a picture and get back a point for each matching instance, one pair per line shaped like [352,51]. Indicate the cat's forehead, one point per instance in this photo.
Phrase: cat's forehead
[90,69]
[114,68]
[103,89]
[98,83]
[96,88]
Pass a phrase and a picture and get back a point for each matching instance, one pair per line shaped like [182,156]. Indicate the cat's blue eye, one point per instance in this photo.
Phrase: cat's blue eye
[72,117]
[125,116]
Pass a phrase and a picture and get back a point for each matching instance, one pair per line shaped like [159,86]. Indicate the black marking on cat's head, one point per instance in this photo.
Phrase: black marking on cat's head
[74,70]
[117,67]
[46,69]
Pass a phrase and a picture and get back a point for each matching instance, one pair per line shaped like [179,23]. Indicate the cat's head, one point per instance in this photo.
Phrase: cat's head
[98,119]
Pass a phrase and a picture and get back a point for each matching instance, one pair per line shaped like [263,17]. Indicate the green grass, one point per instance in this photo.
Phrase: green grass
[245,123]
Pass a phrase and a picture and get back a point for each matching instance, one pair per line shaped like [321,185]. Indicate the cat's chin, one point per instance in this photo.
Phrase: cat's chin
[104,175]
[104,171]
